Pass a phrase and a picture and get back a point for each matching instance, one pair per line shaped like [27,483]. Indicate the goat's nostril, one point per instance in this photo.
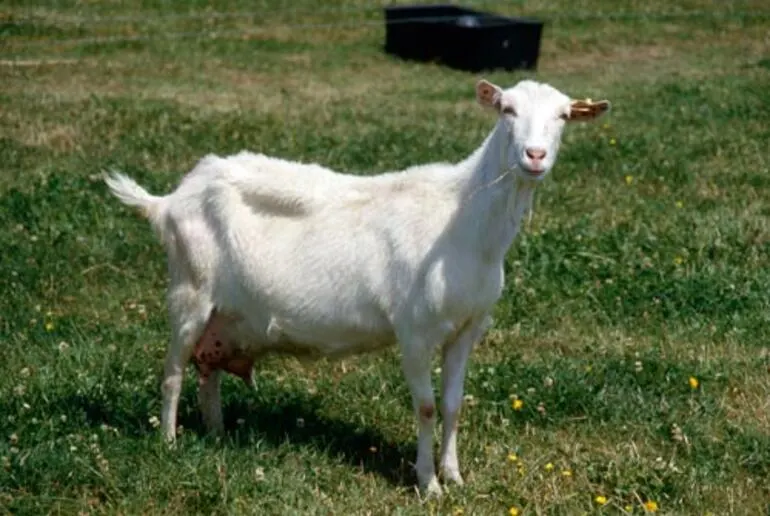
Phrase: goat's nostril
[536,153]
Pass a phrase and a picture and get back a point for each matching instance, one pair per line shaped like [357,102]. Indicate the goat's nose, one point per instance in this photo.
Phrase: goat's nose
[536,154]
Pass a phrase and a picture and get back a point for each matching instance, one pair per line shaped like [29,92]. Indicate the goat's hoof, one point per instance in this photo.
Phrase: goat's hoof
[453,476]
[218,434]
[214,427]
[170,439]
[432,489]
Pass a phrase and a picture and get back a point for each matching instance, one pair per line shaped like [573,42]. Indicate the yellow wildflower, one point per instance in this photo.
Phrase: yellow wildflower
[629,179]
[613,141]
[517,404]
[601,500]
[49,326]
[458,511]
[678,260]
[549,467]
[693,382]
[679,204]
[628,508]
[566,473]
[651,506]
[513,511]
[513,457]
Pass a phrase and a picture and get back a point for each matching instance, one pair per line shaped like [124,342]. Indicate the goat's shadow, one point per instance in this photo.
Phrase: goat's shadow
[277,418]
[274,415]
[296,419]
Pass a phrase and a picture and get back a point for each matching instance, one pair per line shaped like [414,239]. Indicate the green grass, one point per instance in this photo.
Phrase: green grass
[646,263]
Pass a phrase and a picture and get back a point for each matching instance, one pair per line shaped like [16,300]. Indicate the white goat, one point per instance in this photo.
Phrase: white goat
[267,255]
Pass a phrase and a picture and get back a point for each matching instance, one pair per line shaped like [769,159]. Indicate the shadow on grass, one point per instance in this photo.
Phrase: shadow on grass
[277,417]
[297,420]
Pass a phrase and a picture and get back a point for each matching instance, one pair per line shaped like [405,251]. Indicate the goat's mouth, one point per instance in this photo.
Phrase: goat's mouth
[533,172]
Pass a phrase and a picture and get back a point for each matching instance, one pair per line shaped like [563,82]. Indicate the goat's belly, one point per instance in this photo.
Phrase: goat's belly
[229,344]
[330,344]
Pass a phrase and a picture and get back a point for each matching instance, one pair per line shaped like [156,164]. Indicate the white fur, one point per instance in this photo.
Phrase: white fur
[316,262]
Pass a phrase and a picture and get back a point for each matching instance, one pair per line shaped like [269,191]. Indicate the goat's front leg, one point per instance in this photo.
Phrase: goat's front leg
[456,353]
[416,361]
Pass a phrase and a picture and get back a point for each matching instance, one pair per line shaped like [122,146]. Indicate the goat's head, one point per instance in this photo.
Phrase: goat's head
[534,115]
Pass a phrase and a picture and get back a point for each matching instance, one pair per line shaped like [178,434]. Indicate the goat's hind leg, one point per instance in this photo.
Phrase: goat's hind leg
[188,322]
[212,353]
[210,402]
[177,357]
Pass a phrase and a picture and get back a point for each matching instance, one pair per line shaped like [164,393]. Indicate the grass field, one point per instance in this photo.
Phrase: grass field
[634,324]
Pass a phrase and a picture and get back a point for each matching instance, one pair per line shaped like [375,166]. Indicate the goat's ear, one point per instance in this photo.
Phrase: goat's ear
[585,110]
[488,94]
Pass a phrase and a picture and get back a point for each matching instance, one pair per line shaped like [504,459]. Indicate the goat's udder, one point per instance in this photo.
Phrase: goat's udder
[216,351]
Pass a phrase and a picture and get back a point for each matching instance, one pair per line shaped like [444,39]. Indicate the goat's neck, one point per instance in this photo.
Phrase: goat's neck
[493,198]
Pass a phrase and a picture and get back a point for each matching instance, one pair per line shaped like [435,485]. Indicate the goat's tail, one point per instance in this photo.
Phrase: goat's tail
[130,193]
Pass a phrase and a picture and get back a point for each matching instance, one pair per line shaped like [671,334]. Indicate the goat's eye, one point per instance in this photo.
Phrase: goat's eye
[508,110]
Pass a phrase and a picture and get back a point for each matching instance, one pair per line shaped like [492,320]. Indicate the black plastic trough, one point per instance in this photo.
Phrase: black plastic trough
[462,38]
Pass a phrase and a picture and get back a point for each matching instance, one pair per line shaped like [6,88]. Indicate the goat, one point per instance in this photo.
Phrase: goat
[268,255]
